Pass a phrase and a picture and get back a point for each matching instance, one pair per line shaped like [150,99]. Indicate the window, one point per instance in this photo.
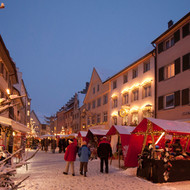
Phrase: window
[98,88]
[185,96]
[186,62]
[169,101]
[94,104]
[169,71]
[135,95]
[115,102]
[135,73]
[115,120]
[89,106]
[167,44]
[105,99]
[99,102]
[125,78]
[105,117]
[2,68]
[93,120]
[186,30]
[88,121]
[98,118]
[146,67]
[114,84]
[135,119]
[172,41]
[94,90]
[28,113]
[146,91]
[126,120]
[125,99]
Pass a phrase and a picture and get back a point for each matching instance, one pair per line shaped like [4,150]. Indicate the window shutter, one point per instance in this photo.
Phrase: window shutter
[160,102]
[176,36]
[177,98]
[160,47]
[161,74]
[185,30]
[186,62]
[177,66]
[185,96]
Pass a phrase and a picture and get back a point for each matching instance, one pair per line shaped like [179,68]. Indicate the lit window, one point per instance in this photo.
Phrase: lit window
[135,118]
[105,117]
[125,120]
[169,71]
[115,120]
[28,113]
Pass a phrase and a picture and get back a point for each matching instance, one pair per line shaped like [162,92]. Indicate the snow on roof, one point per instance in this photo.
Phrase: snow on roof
[121,129]
[168,125]
[82,133]
[98,131]
[81,99]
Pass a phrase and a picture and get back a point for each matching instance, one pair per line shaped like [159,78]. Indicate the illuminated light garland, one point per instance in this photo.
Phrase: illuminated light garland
[114,114]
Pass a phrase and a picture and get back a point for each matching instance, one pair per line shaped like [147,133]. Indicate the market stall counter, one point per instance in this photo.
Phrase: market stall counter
[165,156]
[153,170]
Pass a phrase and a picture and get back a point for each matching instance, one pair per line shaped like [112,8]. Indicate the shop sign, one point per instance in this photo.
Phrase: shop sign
[186,113]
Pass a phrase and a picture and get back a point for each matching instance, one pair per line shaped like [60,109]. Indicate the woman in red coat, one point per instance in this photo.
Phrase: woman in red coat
[70,157]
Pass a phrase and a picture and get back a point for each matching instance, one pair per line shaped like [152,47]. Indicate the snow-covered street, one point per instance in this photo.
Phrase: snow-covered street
[46,173]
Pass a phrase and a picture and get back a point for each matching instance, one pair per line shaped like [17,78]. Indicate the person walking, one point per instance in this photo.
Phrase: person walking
[104,152]
[70,157]
[84,155]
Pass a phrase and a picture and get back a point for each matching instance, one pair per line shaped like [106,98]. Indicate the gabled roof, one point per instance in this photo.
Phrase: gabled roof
[168,126]
[125,130]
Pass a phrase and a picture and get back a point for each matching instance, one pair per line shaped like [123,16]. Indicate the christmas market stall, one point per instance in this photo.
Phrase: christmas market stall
[120,138]
[94,136]
[165,155]
[82,137]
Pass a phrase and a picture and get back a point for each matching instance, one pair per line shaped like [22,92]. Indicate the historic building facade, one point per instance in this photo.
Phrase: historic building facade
[132,92]
[96,102]
[173,71]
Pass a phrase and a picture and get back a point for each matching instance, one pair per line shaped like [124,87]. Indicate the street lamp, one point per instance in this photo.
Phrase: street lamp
[2,6]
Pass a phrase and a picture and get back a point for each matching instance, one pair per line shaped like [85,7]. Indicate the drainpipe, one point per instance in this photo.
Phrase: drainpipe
[155,83]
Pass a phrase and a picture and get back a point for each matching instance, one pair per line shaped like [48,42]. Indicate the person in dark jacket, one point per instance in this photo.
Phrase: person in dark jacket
[104,152]
[53,145]
[84,155]
[70,157]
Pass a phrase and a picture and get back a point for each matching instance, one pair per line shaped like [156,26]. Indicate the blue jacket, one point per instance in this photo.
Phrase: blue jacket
[84,153]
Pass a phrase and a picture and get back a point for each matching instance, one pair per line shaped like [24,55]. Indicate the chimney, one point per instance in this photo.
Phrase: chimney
[170,23]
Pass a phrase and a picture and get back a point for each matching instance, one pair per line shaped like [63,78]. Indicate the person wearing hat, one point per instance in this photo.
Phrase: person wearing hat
[104,152]
[70,157]
[84,155]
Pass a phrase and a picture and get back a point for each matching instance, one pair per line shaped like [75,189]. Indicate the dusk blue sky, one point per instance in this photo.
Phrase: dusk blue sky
[56,44]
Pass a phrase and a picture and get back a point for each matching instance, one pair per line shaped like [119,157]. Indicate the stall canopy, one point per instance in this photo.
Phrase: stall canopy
[96,132]
[82,134]
[125,134]
[164,125]
[15,125]
[158,126]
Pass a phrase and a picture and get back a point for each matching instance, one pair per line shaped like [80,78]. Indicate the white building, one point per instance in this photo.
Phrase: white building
[132,92]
